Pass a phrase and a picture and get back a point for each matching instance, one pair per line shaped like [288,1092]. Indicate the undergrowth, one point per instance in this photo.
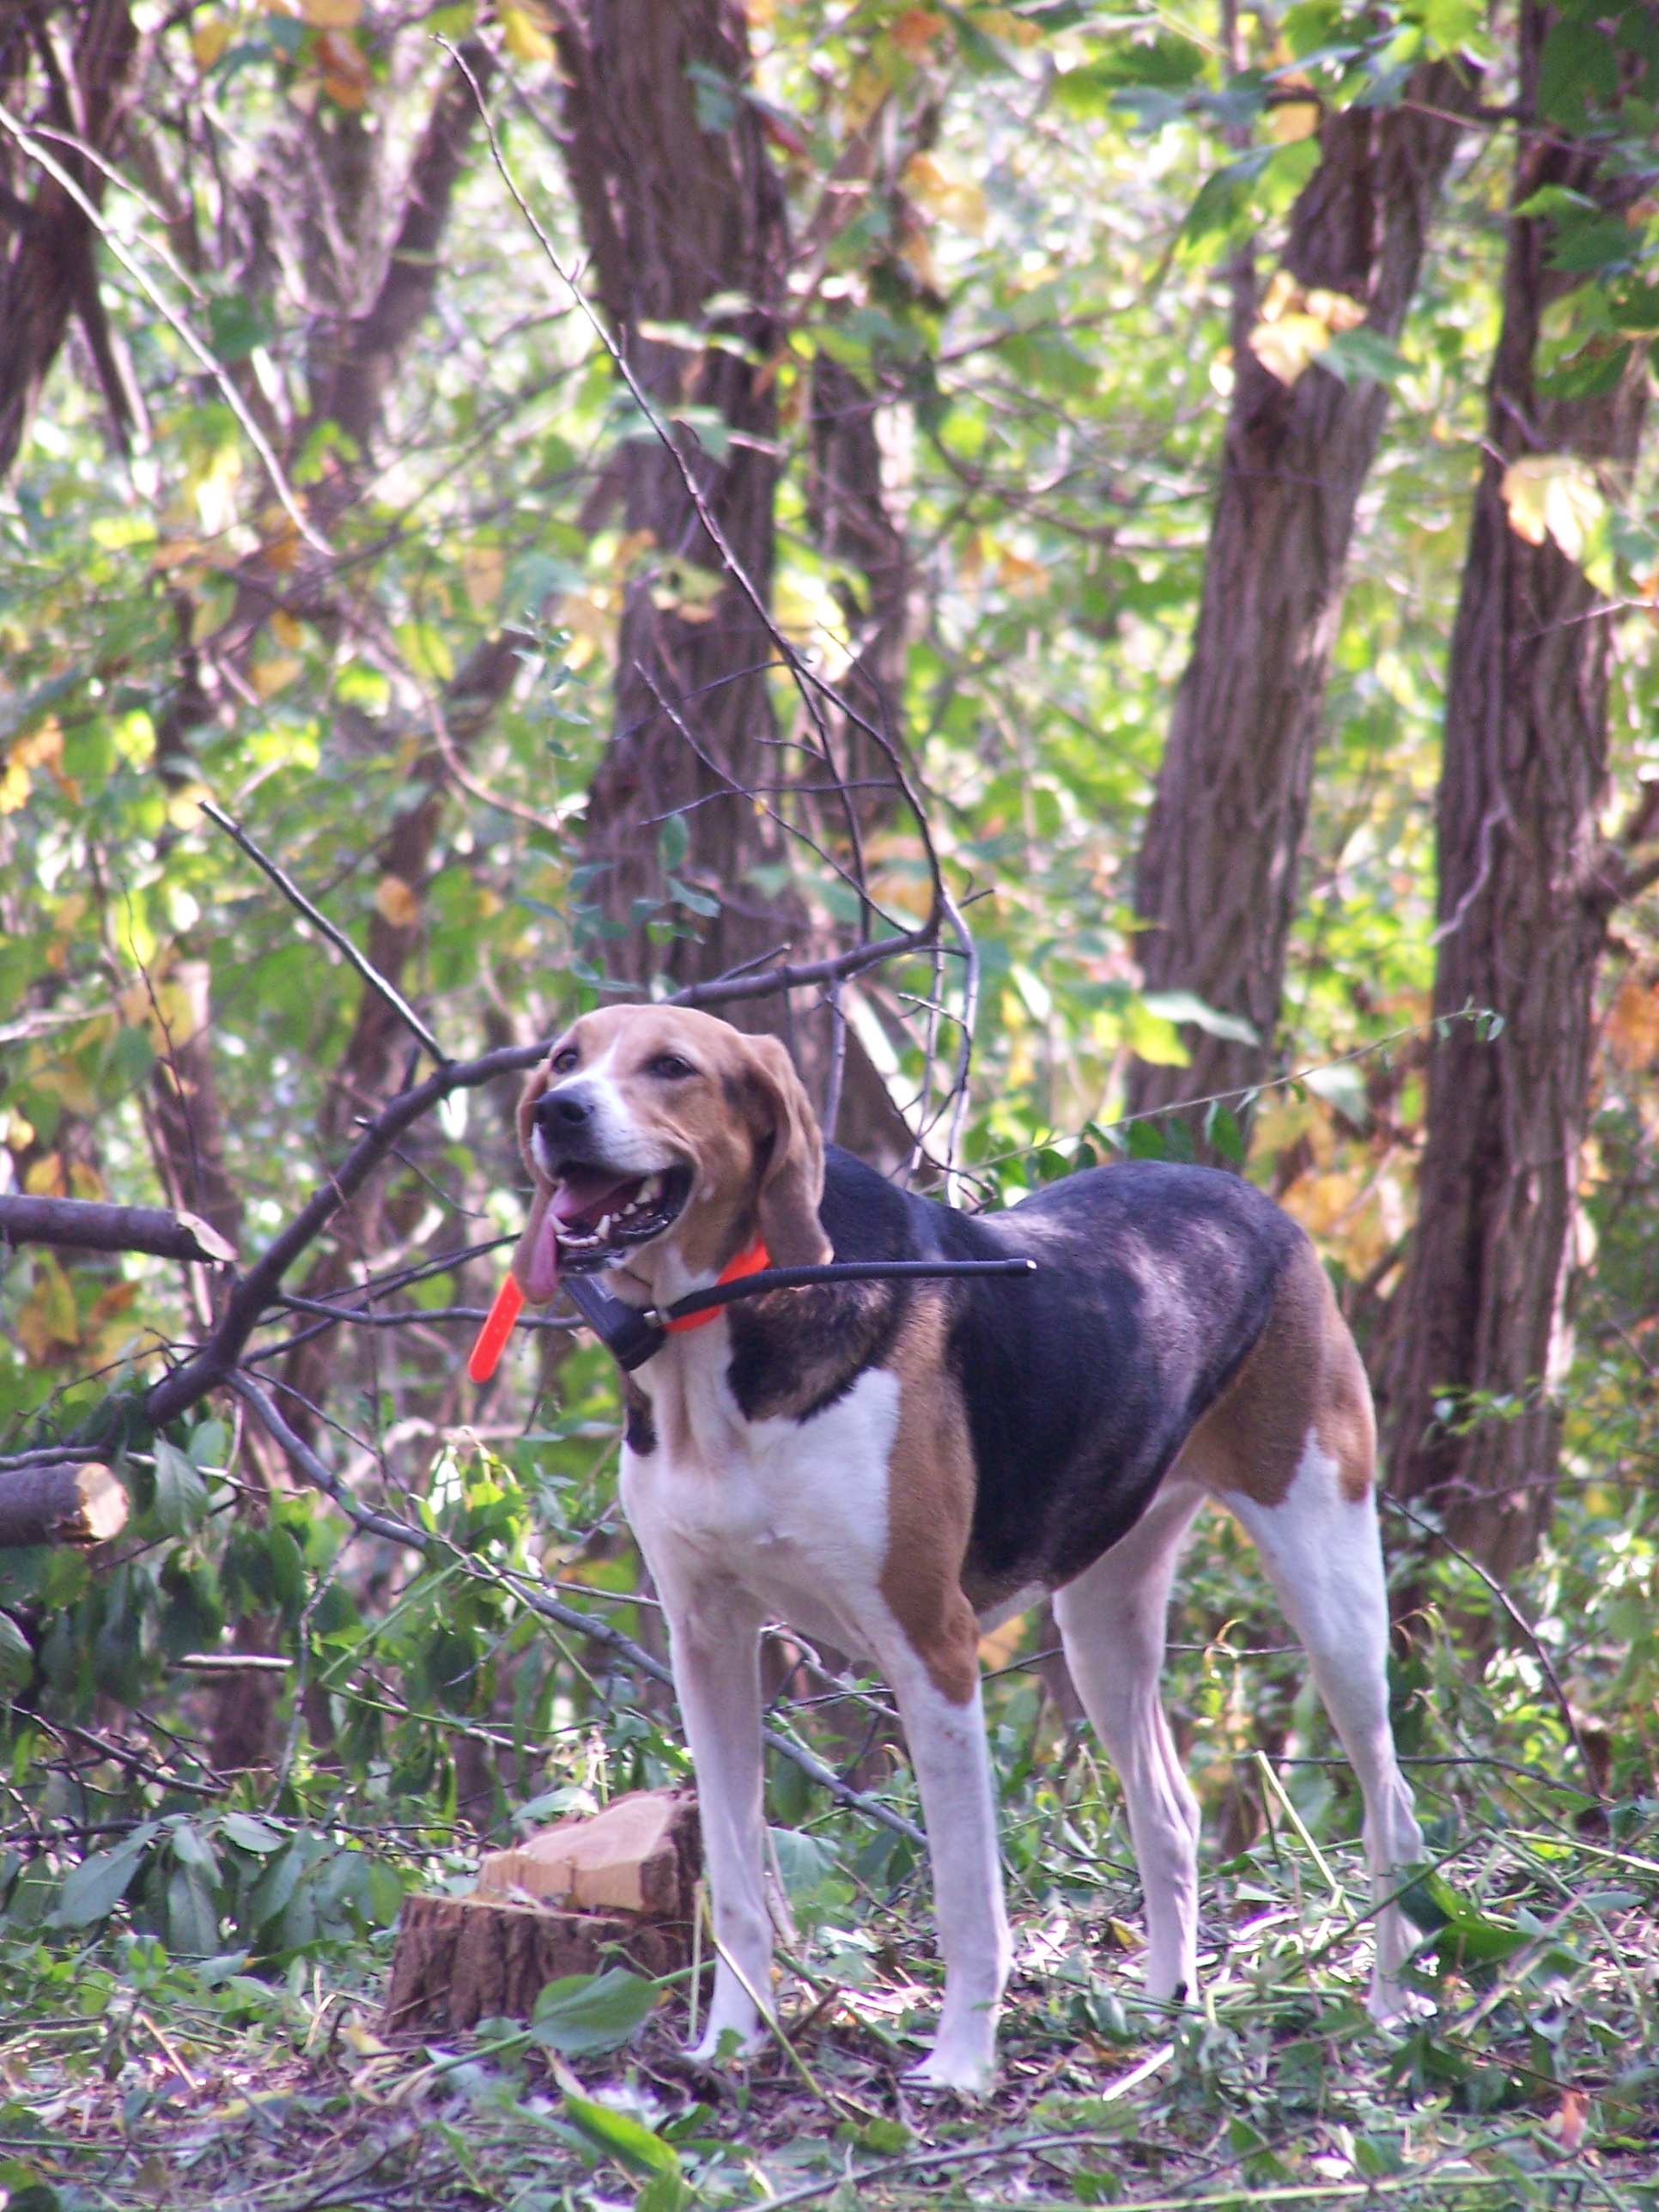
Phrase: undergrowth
[192,1963]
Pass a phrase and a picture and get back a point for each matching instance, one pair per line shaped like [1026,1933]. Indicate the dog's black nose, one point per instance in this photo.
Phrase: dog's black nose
[563,1110]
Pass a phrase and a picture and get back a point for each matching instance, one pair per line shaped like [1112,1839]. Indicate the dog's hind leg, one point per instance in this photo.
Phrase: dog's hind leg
[1320,1545]
[1113,1623]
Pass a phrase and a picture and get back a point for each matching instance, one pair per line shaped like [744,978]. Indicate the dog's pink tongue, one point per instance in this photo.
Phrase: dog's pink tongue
[584,1204]
[542,1272]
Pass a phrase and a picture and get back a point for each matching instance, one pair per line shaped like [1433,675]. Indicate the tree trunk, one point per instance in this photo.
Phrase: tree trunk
[680,205]
[51,271]
[1216,884]
[1527,883]
[62,1502]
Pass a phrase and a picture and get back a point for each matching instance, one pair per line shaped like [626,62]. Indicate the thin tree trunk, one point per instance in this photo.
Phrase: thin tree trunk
[1527,883]
[50,273]
[680,205]
[1216,884]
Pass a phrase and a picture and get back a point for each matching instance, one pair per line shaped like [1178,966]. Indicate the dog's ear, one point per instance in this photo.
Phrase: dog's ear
[792,1180]
[532,1090]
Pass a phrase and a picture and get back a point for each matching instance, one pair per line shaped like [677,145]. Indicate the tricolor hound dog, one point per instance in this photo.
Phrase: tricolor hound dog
[893,1466]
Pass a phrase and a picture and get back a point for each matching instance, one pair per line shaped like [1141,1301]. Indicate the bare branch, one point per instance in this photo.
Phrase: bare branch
[336,938]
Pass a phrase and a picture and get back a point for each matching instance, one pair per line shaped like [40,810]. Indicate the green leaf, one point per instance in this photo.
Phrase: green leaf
[665,2192]
[1361,355]
[672,840]
[623,2137]
[1146,1140]
[181,1495]
[23,2188]
[96,1887]
[1223,201]
[1577,61]
[192,1918]
[249,1835]
[592,2012]
[1223,1134]
[17,1657]
[805,1861]
[1188,1007]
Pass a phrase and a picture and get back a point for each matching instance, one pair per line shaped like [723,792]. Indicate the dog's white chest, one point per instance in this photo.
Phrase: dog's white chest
[796,1513]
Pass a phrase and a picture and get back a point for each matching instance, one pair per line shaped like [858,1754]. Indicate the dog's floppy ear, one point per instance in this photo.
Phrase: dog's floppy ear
[532,1090]
[792,1180]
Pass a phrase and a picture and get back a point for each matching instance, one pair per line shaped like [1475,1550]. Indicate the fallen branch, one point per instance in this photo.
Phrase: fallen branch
[90,1227]
[69,1501]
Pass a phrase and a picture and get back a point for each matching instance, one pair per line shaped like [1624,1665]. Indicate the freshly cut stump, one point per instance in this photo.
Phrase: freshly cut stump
[615,1889]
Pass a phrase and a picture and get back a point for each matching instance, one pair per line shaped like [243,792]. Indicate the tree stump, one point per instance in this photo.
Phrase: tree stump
[64,1501]
[615,1889]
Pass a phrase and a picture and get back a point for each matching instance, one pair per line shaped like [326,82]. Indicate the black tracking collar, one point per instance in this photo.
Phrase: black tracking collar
[632,1334]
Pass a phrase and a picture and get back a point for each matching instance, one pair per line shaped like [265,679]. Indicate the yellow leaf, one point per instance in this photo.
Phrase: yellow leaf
[1632,1027]
[1552,495]
[525,36]
[1020,578]
[1296,118]
[209,41]
[85,1181]
[1286,346]
[484,569]
[956,200]
[285,629]
[268,678]
[397,903]
[1336,310]
[184,806]
[330,14]
[1003,23]
[915,249]
[46,1178]
[47,1321]
[997,1649]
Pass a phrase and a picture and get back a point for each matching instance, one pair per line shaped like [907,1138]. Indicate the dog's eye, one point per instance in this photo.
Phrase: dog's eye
[670,1066]
[565,1061]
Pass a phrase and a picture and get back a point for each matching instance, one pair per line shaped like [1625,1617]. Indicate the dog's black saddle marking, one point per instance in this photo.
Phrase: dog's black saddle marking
[1081,1384]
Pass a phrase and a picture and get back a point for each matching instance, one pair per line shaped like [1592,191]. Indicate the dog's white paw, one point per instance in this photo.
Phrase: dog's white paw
[970,2073]
[726,2046]
[1390,2006]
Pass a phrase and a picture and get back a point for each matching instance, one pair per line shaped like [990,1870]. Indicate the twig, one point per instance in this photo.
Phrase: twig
[1523,1624]
[337,938]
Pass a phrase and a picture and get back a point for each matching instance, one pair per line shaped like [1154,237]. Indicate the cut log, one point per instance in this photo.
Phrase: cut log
[461,1960]
[67,1501]
[88,1226]
[639,1855]
[615,1889]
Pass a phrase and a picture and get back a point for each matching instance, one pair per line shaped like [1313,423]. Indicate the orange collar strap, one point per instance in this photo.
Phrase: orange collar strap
[748,1262]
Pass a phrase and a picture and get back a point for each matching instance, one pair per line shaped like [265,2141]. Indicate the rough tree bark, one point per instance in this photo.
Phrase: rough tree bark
[49,274]
[1527,885]
[679,205]
[1216,883]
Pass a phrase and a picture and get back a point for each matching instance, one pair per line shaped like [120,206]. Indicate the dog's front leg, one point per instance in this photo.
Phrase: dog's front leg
[952,1763]
[715,1639]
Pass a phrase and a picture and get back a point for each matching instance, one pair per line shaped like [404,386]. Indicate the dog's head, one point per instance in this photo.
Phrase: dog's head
[657,1127]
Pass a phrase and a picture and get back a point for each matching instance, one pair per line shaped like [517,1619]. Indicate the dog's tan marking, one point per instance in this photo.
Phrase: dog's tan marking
[1302,1377]
[930,1508]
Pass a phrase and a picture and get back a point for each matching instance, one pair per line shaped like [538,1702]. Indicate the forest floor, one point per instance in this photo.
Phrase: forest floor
[131,2080]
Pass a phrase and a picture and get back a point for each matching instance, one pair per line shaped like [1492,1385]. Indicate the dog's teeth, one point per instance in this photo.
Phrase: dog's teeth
[604,1229]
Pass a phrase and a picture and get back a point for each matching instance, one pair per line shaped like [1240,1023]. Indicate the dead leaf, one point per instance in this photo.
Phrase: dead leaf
[916,31]
[45,1178]
[1288,346]
[330,14]
[397,903]
[484,570]
[1568,2122]
[1632,1025]
[285,629]
[268,678]
[346,77]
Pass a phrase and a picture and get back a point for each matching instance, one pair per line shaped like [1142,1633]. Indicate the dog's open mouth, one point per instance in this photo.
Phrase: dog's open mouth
[592,1214]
